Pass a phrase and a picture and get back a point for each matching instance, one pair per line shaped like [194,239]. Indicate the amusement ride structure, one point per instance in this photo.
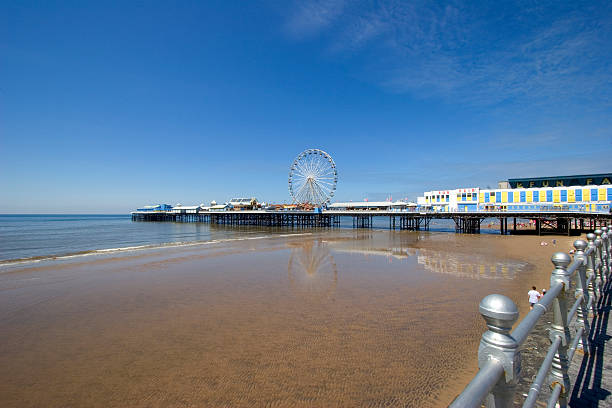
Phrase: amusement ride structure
[312,178]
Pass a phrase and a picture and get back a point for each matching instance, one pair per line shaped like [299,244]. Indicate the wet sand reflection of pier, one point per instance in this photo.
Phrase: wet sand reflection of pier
[458,264]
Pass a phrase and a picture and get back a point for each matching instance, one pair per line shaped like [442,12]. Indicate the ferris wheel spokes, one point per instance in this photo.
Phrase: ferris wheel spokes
[312,177]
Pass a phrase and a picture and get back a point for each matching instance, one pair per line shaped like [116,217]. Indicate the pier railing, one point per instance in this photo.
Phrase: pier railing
[575,288]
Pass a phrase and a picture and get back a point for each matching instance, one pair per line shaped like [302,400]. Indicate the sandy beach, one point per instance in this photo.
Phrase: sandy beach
[333,318]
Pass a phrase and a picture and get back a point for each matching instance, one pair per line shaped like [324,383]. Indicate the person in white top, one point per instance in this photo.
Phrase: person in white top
[534,296]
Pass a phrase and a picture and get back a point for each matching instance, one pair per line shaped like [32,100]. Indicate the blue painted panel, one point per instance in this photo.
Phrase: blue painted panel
[468,207]
[564,195]
[536,196]
[609,194]
[578,194]
[498,196]
[594,194]
[548,195]
[522,195]
[487,195]
[510,196]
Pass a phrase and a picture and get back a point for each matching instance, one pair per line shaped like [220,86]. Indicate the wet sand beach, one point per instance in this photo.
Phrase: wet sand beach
[333,318]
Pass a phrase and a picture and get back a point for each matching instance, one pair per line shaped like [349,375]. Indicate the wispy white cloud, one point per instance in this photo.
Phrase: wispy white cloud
[311,17]
[503,52]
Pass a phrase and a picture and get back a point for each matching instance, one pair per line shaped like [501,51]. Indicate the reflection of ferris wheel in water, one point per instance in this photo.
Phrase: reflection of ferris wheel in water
[312,270]
[312,177]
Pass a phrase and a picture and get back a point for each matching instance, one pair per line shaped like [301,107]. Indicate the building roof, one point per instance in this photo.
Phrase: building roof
[562,181]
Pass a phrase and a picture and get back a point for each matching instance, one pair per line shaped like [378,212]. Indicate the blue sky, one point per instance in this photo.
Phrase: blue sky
[108,106]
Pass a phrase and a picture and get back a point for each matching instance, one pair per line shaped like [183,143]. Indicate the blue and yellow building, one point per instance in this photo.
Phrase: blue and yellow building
[571,193]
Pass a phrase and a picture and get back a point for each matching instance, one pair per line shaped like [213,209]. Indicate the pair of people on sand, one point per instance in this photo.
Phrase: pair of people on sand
[535,296]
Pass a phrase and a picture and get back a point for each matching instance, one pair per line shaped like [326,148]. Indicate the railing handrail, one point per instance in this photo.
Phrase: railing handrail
[498,355]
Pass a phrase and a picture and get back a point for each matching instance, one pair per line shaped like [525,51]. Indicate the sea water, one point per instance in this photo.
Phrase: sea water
[34,237]
[40,236]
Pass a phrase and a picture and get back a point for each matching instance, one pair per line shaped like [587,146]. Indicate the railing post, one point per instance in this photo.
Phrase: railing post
[599,266]
[590,269]
[500,313]
[581,290]
[604,252]
[558,373]
[606,237]
[609,251]
[609,240]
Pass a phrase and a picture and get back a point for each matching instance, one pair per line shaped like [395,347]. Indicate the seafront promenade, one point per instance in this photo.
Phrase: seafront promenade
[593,372]
[515,366]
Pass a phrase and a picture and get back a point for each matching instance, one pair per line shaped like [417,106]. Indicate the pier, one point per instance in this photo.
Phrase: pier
[545,222]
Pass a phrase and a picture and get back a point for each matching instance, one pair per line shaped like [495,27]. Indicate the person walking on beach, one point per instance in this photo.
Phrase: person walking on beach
[534,296]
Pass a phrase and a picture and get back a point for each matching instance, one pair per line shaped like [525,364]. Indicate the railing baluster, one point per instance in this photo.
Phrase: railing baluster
[593,288]
[558,373]
[605,251]
[599,262]
[583,312]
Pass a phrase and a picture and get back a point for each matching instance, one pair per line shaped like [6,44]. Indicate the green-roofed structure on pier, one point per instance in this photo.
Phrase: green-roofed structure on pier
[562,181]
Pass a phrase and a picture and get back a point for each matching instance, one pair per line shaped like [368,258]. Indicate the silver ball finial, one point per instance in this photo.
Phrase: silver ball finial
[591,237]
[499,312]
[598,232]
[580,245]
[561,260]
[604,229]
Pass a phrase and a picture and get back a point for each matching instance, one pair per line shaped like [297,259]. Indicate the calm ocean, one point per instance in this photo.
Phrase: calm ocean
[42,236]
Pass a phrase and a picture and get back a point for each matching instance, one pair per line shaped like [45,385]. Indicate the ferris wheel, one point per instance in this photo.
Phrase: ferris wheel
[312,177]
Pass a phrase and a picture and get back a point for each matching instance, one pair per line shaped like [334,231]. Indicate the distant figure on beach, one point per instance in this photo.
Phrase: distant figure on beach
[543,292]
[534,296]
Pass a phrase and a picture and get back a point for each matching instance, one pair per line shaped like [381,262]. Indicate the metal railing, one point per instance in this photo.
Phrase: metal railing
[575,287]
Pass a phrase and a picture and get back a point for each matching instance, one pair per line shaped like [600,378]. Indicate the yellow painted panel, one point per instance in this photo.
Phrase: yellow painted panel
[504,196]
[542,195]
[556,196]
[602,194]
[481,198]
[586,195]
[571,195]
[529,196]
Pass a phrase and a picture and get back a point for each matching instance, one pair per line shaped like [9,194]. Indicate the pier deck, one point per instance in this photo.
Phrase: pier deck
[561,222]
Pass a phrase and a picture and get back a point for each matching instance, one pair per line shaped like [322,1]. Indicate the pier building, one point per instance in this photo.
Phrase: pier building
[604,179]
[590,199]
[154,208]
[187,209]
[243,203]
[373,205]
